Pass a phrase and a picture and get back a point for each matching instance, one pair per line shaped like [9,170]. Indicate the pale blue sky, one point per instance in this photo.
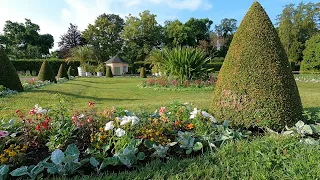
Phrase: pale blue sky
[54,16]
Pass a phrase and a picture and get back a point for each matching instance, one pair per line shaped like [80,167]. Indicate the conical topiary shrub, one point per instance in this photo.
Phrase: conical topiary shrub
[109,72]
[143,73]
[46,73]
[255,85]
[62,73]
[8,74]
[70,71]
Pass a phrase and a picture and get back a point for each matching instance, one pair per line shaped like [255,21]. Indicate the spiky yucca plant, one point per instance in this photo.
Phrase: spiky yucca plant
[185,63]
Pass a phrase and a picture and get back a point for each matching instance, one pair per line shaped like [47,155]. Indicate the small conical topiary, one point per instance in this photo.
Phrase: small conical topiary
[46,73]
[143,73]
[109,72]
[62,73]
[70,71]
[8,74]
[255,86]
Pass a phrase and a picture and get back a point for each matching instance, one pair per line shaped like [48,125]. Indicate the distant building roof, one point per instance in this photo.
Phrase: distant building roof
[115,59]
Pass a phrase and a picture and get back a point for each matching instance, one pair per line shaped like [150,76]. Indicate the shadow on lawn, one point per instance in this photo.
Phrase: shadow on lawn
[93,82]
[84,97]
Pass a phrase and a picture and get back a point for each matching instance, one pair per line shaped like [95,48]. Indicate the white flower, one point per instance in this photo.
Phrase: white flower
[120,132]
[125,120]
[81,116]
[135,120]
[194,113]
[109,126]
[207,115]
[39,110]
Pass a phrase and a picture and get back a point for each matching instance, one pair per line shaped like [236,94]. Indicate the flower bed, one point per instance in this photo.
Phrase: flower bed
[51,142]
[31,84]
[165,83]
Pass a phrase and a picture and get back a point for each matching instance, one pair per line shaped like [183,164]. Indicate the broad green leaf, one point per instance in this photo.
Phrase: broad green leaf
[57,156]
[189,151]
[94,162]
[4,169]
[72,150]
[141,156]
[197,146]
[307,129]
[20,171]
[148,143]
[37,170]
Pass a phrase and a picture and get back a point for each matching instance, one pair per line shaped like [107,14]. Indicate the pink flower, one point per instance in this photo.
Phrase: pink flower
[162,110]
[3,133]
[114,109]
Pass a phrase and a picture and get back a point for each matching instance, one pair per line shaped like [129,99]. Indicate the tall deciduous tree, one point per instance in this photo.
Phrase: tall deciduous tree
[199,30]
[296,25]
[176,33]
[224,35]
[71,39]
[141,34]
[24,41]
[104,35]
[311,55]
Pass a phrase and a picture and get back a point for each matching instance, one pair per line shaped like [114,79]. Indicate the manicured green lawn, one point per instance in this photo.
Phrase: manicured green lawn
[123,92]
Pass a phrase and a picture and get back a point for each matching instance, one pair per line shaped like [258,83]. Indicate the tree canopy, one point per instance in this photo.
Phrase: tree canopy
[24,41]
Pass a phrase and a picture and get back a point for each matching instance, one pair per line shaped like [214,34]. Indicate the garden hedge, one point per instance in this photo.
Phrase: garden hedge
[35,64]
[62,73]
[255,86]
[46,73]
[8,74]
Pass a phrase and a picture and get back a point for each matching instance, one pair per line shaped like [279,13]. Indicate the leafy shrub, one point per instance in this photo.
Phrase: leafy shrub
[109,72]
[8,74]
[185,62]
[311,55]
[46,73]
[255,85]
[143,73]
[62,72]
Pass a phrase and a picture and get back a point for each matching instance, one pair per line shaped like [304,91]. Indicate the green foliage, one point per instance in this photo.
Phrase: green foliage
[8,75]
[147,29]
[64,163]
[4,170]
[109,72]
[46,73]
[143,73]
[186,63]
[104,36]
[296,25]
[62,73]
[311,55]
[82,53]
[24,41]
[255,85]
[32,171]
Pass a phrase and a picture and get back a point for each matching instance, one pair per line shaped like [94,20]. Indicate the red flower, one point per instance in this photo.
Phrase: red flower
[162,110]
[32,112]
[90,120]
[38,127]
[91,104]
[178,123]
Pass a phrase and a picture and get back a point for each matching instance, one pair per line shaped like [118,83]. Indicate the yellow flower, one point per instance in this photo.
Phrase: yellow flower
[12,154]
[101,129]
[152,139]
[18,147]
[4,160]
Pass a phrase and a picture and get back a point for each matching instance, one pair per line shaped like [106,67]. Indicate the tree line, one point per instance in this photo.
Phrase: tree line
[135,37]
